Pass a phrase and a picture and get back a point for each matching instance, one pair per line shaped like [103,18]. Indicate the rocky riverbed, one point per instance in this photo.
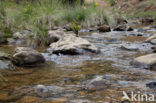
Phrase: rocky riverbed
[99,75]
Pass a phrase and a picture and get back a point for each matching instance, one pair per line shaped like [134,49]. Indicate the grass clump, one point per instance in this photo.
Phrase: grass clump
[41,15]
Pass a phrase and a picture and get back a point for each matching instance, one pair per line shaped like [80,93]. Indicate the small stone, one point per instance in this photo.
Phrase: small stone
[97,84]
[104,28]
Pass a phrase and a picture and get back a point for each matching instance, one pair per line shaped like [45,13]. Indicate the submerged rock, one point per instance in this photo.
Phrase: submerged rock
[97,84]
[146,61]
[104,28]
[129,47]
[72,45]
[30,99]
[48,91]
[27,57]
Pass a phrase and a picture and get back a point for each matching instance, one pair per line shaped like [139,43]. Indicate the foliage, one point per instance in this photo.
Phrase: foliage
[75,27]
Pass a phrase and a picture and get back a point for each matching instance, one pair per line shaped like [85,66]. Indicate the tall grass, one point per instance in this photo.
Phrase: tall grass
[41,15]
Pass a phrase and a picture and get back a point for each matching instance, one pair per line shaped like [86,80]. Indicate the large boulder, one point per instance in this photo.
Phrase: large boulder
[27,57]
[104,28]
[55,35]
[72,45]
[146,61]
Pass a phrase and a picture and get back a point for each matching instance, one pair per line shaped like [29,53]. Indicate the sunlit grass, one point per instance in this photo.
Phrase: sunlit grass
[42,15]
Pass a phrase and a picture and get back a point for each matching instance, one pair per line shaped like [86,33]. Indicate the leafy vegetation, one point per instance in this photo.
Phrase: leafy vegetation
[75,27]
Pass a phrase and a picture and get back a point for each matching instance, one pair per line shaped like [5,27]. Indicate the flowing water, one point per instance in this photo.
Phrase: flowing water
[67,76]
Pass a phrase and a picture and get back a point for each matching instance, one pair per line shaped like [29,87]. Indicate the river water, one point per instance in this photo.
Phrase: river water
[68,76]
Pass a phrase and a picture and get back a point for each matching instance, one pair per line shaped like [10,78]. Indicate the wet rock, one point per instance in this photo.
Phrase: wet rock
[141,30]
[151,85]
[97,84]
[3,39]
[49,91]
[5,61]
[147,20]
[121,21]
[104,28]
[129,28]
[30,99]
[123,28]
[55,35]
[4,56]
[72,45]
[153,49]
[151,39]
[113,40]
[27,57]
[6,64]
[146,61]
[129,47]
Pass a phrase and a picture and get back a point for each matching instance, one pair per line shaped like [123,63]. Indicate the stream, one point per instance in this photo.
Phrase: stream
[64,79]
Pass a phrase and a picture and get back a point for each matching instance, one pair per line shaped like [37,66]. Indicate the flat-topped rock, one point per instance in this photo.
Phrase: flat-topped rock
[146,61]
[72,45]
